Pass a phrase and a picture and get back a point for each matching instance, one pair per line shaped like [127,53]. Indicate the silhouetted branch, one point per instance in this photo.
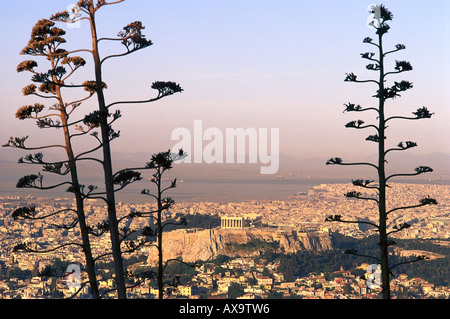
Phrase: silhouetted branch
[139,214]
[78,290]
[421,113]
[49,123]
[27,111]
[398,47]
[47,167]
[104,3]
[29,212]
[419,170]
[56,169]
[29,181]
[338,218]
[338,161]
[49,271]
[72,225]
[102,256]
[132,245]
[370,41]
[402,146]
[147,192]
[369,56]
[351,77]
[354,194]
[78,157]
[418,258]
[141,277]
[178,260]
[400,66]
[19,142]
[359,125]
[364,183]
[423,202]
[53,167]
[79,189]
[83,132]
[25,247]
[31,90]
[77,103]
[392,92]
[132,38]
[126,177]
[399,228]
[355,253]
[182,222]
[102,228]
[164,89]
[350,107]
[173,184]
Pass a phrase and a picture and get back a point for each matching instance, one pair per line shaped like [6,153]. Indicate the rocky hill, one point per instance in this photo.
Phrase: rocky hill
[193,244]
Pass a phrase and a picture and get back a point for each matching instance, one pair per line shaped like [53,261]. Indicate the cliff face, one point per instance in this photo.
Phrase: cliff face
[305,241]
[193,245]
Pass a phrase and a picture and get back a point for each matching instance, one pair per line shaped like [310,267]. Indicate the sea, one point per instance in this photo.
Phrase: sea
[205,190]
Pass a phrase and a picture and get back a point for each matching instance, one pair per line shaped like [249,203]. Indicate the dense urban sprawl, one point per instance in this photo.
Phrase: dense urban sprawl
[235,277]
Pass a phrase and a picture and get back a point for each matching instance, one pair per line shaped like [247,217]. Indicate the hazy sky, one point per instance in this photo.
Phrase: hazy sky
[252,63]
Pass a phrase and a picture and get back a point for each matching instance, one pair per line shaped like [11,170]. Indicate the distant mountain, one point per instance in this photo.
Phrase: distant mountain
[228,182]
[288,166]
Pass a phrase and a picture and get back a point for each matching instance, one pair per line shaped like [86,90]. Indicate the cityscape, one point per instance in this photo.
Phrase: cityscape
[253,276]
[189,151]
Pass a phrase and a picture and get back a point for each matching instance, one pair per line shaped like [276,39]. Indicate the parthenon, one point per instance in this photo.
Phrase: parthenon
[232,222]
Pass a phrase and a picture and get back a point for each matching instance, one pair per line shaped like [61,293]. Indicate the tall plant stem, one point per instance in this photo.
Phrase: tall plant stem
[107,164]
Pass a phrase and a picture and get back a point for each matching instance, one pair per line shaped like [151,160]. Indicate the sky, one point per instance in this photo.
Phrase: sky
[249,64]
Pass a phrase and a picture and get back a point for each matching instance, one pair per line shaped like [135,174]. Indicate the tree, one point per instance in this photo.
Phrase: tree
[161,163]
[273,294]
[347,289]
[45,42]
[133,40]
[381,16]
[235,290]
